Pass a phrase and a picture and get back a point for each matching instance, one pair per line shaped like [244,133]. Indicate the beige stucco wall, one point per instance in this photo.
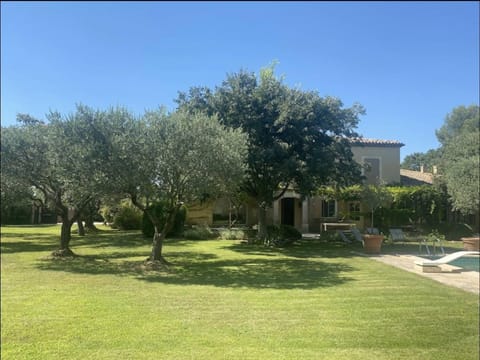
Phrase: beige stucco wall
[200,214]
[389,160]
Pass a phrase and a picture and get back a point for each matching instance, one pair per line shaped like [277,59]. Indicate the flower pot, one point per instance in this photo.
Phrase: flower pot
[372,243]
[471,243]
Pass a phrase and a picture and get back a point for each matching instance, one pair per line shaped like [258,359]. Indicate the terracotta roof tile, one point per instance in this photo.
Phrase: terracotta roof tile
[375,142]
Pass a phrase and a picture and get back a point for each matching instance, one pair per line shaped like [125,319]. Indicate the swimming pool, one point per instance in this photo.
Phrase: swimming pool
[471,263]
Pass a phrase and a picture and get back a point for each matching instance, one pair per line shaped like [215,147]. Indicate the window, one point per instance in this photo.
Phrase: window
[329,208]
[354,211]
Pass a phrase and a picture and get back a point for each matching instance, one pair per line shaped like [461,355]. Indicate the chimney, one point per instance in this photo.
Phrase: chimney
[434,169]
[421,168]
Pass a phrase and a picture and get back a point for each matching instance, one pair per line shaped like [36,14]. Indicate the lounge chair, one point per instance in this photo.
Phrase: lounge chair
[373,231]
[348,240]
[433,265]
[357,235]
[397,235]
[344,237]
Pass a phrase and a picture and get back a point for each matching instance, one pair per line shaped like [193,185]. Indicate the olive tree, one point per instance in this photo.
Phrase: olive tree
[173,158]
[58,159]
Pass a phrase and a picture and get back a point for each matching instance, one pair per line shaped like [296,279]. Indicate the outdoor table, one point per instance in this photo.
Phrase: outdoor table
[347,226]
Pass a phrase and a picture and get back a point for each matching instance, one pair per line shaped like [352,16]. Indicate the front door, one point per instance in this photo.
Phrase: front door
[288,211]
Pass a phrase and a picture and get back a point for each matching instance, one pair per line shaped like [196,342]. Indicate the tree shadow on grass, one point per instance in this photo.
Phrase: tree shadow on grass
[191,268]
[28,242]
[107,238]
[119,238]
[26,246]
[302,249]
[259,274]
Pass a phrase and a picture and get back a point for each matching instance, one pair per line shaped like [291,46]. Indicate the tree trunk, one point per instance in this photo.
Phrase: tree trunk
[65,237]
[159,235]
[81,229]
[157,246]
[89,225]
[262,222]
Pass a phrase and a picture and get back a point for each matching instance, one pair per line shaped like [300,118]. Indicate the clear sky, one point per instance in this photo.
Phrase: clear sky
[408,63]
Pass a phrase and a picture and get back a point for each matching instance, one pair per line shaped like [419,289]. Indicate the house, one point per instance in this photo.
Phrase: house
[381,162]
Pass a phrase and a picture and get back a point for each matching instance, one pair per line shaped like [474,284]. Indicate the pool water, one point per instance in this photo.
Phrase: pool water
[468,263]
[471,263]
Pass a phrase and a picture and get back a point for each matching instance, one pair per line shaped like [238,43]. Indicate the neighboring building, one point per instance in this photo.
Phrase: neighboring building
[415,178]
[381,160]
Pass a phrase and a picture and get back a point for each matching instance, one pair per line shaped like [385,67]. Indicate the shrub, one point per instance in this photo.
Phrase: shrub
[282,235]
[107,213]
[200,233]
[127,217]
[233,234]
[160,210]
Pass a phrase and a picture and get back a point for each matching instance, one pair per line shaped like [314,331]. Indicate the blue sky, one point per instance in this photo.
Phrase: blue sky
[408,63]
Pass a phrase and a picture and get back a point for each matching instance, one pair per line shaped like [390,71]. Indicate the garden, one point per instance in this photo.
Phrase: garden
[221,299]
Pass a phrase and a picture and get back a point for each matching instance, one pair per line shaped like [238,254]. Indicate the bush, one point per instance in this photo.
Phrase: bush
[200,233]
[455,231]
[282,235]
[108,213]
[234,234]
[127,217]
[160,210]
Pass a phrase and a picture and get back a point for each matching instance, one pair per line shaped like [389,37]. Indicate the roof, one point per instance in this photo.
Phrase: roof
[375,142]
[412,178]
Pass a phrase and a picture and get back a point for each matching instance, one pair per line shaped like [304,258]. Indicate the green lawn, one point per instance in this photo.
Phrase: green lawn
[221,300]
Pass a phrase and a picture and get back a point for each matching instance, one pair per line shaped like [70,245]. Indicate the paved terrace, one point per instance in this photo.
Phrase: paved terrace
[450,275]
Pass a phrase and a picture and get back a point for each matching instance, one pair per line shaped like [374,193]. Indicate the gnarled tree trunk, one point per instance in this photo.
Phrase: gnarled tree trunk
[65,237]
[160,234]
[81,229]
[89,225]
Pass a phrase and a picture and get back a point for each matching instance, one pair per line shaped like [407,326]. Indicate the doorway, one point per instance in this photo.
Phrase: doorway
[288,211]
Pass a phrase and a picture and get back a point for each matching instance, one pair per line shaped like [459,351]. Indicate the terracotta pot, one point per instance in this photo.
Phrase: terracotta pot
[471,243]
[372,243]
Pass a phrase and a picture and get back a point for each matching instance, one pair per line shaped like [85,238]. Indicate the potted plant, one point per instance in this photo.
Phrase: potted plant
[471,243]
[374,197]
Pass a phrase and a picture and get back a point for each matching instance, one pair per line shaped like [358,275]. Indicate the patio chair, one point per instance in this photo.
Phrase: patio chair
[397,235]
[357,235]
[344,237]
[373,231]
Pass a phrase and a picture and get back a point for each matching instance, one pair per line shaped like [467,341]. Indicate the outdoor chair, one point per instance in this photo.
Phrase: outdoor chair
[358,236]
[348,240]
[344,237]
[397,235]
[373,231]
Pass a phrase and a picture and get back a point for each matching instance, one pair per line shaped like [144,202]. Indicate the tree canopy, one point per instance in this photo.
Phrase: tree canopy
[457,158]
[58,160]
[460,139]
[171,158]
[296,138]
[428,160]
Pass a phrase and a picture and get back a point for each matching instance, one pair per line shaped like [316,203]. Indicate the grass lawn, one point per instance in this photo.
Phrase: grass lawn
[221,300]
